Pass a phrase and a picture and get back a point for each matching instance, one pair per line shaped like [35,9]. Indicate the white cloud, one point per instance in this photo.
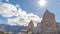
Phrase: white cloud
[7,10]
[23,18]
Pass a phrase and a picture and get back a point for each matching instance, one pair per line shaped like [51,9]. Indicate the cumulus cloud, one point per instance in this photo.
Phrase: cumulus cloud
[7,10]
[22,17]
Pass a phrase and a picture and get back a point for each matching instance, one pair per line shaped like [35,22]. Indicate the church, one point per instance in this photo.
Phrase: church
[48,25]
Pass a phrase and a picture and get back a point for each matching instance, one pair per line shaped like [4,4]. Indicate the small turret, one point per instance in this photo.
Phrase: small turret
[30,25]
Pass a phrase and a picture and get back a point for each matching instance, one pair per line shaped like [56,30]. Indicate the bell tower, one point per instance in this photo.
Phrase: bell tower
[48,23]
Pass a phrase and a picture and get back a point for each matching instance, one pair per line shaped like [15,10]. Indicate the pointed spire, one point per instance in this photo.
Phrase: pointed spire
[47,11]
[30,25]
[31,22]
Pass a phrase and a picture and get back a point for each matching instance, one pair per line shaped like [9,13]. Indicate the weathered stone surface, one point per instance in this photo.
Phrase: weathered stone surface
[48,23]
[30,26]
[37,29]
[46,26]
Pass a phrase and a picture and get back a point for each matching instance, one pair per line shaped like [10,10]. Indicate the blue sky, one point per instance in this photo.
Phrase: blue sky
[32,6]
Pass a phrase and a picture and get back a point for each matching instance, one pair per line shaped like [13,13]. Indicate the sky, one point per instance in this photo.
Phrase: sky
[20,12]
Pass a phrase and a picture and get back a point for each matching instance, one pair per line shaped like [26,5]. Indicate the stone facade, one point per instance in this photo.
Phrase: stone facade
[29,29]
[48,23]
[30,26]
[46,26]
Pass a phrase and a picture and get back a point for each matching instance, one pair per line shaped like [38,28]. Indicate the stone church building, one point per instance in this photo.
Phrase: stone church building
[48,25]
